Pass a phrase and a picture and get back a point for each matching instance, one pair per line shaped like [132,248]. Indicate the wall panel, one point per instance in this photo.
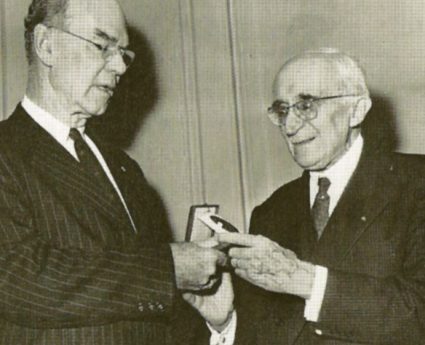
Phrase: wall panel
[188,145]
[217,108]
[191,93]
[14,60]
[162,145]
[2,61]
[205,135]
[385,36]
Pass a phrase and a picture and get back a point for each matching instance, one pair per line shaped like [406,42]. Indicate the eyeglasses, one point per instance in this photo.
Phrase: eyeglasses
[106,50]
[305,109]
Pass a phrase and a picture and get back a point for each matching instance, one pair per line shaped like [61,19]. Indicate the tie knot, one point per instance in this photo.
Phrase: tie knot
[75,134]
[324,184]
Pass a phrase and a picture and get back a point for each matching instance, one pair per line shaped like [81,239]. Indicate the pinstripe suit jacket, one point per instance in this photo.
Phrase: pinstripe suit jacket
[72,269]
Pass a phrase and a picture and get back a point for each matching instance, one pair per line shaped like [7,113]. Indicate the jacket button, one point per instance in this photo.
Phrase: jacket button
[159,306]
[151,306]
[141,307]
[318,332]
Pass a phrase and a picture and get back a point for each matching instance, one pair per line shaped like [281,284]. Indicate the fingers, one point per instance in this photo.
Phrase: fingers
[210,283]
[209,243]
[241,253]
[248,265]
[222,259]
[196,267]
[213,260]
[239,239]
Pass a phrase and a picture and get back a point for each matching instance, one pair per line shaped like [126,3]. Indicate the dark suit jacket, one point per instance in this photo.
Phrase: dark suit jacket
[374,248]
[72,270]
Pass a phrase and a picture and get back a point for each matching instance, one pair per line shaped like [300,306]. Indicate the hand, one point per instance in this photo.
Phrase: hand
[266,264]
[195,264]
[216,305]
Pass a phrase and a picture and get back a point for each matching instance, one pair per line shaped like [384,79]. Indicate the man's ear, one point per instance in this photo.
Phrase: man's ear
[359,112]
[43,44]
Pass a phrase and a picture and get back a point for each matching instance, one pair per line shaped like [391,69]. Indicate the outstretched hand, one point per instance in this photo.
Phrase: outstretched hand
[266,264]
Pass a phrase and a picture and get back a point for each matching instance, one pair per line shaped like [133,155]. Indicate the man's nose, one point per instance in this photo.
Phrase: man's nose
[116,64]
[293,123]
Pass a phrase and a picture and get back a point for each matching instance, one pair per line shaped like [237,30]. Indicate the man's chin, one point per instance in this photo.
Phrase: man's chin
[95,111]
[309,163]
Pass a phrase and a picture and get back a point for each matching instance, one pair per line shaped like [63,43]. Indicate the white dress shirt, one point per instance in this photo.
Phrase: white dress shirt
[60,132]
[227,336]
[339,175]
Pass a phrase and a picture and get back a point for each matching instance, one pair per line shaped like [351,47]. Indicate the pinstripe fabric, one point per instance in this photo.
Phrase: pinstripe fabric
[72,270]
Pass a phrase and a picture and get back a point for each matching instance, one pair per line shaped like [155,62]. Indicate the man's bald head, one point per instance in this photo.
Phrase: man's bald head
[345,74]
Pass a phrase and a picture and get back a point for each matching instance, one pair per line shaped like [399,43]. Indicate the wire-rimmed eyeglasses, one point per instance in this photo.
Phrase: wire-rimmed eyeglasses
[106,50]
[305,109]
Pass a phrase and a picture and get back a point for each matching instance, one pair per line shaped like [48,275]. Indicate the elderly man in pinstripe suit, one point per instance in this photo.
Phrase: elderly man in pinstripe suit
[84,257]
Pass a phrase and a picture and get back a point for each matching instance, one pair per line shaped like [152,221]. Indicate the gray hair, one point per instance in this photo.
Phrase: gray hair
[48,12]
[352,77]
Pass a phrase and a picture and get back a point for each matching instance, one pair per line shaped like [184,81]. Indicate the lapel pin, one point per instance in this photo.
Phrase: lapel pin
[363,218]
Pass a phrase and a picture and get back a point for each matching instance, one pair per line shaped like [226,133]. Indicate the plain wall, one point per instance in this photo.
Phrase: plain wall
[194,104]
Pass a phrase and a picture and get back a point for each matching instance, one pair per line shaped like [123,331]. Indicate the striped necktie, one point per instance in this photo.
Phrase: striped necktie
[320,209]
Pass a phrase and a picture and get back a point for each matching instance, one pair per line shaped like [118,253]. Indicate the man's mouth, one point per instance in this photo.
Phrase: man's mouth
[107,88]
[302,142]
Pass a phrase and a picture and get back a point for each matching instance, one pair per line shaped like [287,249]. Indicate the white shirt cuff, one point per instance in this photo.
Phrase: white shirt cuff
[314,303]
[227,336]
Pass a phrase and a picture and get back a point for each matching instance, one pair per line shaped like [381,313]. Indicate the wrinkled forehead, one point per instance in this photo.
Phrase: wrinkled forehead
[308,76]
[90,17]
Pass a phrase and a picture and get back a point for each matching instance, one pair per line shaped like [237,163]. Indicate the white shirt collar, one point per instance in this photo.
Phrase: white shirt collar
[339,174]
[52,125]
[60,132]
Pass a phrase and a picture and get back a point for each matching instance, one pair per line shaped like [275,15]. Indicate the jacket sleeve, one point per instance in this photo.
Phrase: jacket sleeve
[45,286]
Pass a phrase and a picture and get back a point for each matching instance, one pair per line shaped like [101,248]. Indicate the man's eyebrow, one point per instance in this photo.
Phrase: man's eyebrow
[105,36]
[304,96]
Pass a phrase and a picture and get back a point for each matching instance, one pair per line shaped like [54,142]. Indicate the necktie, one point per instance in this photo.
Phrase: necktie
[88,160]
[92,165]
[320,210]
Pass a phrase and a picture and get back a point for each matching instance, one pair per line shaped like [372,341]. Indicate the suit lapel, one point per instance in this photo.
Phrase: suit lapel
[120,172]
[71,183]
[305,236]
[299,237]
[370,189]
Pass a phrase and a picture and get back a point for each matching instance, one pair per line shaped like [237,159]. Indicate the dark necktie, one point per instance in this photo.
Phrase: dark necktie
[87,158]
[92,165]
[320,210]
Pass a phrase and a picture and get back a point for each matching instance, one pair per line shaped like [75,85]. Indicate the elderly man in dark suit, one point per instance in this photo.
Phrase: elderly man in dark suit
[84,253]
[336,256]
